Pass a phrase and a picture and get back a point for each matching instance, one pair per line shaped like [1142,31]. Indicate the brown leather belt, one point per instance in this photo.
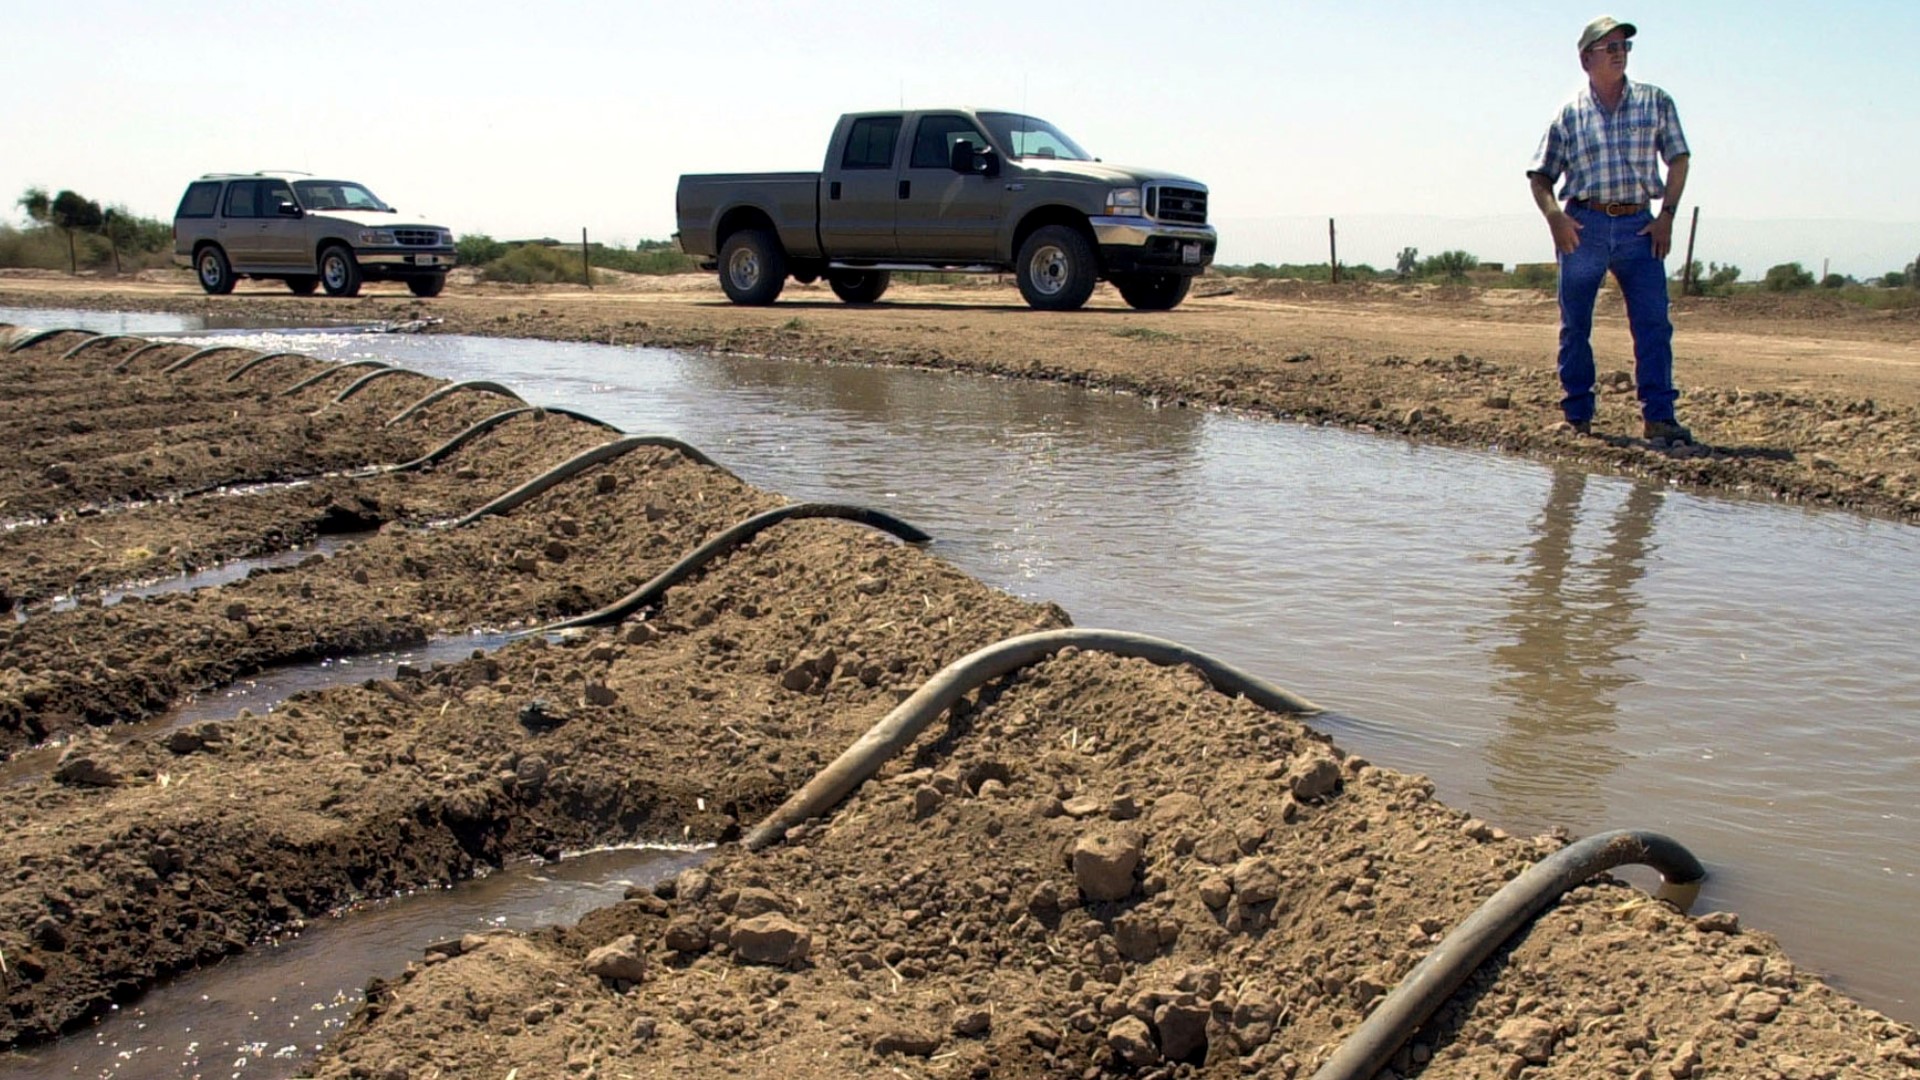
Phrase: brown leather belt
[1611,209]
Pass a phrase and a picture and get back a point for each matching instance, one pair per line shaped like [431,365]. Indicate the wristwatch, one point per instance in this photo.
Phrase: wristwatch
[1669,211]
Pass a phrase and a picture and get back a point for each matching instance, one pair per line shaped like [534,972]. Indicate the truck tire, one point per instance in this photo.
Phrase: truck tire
[303,284]
[1056,268]
[210,265]
[859,286]
[429,285]
[339,271]
[753,269]
[1153,292]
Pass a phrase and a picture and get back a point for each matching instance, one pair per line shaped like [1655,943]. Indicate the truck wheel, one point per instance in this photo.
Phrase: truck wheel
[1153,292]
[427,286]
[859,286]
[1056,268]
[303,284]
[215,273]
[339,272]
[753,269]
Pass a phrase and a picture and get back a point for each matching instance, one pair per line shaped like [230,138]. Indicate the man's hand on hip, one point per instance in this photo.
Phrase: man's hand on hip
[1660,230]
[1566,232]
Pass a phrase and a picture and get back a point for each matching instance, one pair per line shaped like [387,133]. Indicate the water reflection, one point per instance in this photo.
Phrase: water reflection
[1571,627]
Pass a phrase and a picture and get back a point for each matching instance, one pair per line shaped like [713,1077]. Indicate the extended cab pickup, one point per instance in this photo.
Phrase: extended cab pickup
[956,190]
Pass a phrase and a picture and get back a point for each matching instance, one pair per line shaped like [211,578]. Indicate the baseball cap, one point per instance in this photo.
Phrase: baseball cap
[1601,27]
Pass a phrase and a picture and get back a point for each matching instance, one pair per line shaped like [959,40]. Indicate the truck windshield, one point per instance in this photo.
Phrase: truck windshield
[1030,136]
[336,195]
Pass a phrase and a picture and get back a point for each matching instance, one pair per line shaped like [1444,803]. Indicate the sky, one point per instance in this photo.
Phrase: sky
[1408,124]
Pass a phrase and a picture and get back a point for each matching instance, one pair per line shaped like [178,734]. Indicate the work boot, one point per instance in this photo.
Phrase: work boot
[1573,427]
[1668,432]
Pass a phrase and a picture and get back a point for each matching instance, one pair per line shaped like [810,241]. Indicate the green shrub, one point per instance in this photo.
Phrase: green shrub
[536,264]
[1788,277]
[1833,281]
[1452,265]
[478,249]
[1893,279]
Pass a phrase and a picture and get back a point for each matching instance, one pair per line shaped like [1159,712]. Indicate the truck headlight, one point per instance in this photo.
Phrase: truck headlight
[376,236]
[1124,202]
[446,238]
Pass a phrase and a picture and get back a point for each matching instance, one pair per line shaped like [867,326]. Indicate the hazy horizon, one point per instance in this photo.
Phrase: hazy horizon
[1410,124]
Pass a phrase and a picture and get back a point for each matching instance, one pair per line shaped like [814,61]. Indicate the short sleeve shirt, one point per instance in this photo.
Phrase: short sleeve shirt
[1612,156]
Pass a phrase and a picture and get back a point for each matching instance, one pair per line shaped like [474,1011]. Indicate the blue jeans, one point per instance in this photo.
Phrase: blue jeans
[1613,243]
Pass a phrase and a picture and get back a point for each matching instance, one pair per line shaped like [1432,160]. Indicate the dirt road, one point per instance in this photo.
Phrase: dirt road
[1092,866]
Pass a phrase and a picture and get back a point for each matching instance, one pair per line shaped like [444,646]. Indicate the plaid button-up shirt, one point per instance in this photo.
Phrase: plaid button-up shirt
[1612,156]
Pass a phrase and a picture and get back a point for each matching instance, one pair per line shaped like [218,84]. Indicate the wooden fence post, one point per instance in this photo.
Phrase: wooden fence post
[1333,252]
[1687,284]
[586,267]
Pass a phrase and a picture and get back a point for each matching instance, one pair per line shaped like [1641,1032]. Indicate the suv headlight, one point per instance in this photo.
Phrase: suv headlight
[376,236]
[446,238]
[1124,202]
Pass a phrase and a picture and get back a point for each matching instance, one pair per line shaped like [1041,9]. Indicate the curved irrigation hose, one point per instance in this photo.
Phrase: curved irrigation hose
[192,358]
[575,465]
[1435,978]
[369,377]
[650,593]
[142,351]
[329,371]
[956,680]
[263,358]
[100,340]
[470,384]
[39,336]
[481,427]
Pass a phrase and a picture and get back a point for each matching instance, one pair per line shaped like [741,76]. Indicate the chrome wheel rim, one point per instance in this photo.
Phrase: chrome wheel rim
[743,268]
[334,270]
[209,269]
[1048,269]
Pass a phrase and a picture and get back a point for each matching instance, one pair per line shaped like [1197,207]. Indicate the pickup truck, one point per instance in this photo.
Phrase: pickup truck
[951,190]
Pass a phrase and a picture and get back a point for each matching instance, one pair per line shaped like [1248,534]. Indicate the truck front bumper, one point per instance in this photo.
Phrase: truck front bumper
[1131,244]
[407,259]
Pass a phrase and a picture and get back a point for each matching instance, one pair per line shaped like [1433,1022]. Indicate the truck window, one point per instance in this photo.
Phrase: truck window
[933,142]
[870,143]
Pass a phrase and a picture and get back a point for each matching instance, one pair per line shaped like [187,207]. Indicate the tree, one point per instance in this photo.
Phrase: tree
[1913,273]
[1407,261]
[1894,279]
[1720,277]
[1788,277]
[1451,264]
[72,213]
[38,206]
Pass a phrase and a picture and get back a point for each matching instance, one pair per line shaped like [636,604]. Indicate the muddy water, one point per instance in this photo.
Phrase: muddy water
[258,1016]
[233,570]
[1555,649]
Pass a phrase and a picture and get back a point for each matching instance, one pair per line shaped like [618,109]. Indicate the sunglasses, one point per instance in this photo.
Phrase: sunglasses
[1612,47]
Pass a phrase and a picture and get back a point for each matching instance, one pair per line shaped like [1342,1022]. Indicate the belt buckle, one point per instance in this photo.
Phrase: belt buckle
[1619,209]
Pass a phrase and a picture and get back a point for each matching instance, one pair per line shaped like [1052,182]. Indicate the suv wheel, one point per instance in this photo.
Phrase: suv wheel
[753,269]
[1056,269]
[303,284]
[427,286]
[339,273]
[215,273]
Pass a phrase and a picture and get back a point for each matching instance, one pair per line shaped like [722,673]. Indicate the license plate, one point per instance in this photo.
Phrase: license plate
[1190,253]
[426,260]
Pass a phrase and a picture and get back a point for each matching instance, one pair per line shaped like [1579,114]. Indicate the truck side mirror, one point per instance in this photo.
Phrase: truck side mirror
[288,209]
[964,157]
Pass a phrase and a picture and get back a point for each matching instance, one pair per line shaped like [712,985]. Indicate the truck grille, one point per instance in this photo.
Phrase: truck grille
[1177,205]
[416,237]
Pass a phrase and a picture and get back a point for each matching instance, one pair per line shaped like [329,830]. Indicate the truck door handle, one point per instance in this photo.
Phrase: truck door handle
[906,189]
[833,190]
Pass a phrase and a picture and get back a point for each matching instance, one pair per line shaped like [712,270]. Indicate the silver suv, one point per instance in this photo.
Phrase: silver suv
[306,232]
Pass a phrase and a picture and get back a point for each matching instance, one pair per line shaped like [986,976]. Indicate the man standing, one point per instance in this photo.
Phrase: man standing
[1609,143]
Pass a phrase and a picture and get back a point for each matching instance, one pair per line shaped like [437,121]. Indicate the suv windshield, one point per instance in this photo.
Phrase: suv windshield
[1030,136]
[336,195]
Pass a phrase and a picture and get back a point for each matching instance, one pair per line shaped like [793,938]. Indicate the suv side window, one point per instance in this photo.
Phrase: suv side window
[870,143]
[201,200]
[933,142]
[241,199]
